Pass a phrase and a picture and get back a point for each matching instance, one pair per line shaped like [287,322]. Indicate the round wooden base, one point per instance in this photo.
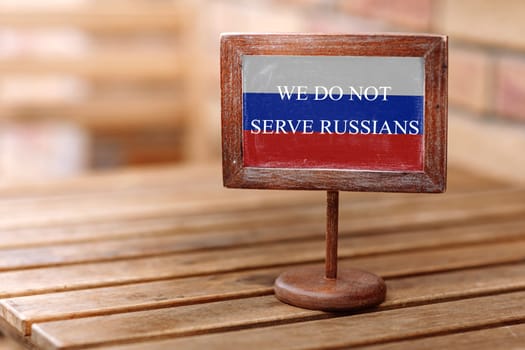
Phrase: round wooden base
[308,288]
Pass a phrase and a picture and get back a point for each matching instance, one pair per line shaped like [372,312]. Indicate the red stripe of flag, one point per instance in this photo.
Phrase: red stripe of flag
[347,151]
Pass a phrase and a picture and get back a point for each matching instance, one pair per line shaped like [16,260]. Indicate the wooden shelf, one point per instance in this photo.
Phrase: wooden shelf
[112,113]
[129,74]
[120,18]
[123,66]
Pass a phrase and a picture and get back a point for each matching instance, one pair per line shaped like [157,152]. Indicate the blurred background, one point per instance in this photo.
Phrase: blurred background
[89,85]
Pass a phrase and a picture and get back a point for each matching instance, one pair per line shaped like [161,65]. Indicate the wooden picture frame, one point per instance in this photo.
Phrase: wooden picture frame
[433,49]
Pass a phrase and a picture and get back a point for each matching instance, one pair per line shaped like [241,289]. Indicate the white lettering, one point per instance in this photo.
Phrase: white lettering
[353,92]
[353,125]
[267,126]
[301,93]
[293,127]
[255,124]
[414,127]
[375,93]
[365,125]
[308,127]
[279,126]
[397,127]
[339,92]
[325,127]
[317,90]
[385,88]
[284,92]
[336,127]
[386,128]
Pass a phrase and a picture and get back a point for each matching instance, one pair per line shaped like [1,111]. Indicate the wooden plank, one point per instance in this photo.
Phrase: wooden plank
[187,243]
[22,312]
[209,220]
[396,212]
[137,206]
[506,337]
[185,320]
[107,113]
[100,196]
[121,185]
[156,245]
[302,236]
[189,177]
[124,66]
[115,18]
[401,214]
[161,191]
[63,278]
[352,330]
[15,336]
[185,177]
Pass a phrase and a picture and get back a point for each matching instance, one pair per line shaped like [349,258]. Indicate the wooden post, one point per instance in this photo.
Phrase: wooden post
[313,287]
[332,218]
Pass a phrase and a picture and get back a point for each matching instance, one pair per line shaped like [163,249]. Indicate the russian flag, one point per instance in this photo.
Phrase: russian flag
[333,112]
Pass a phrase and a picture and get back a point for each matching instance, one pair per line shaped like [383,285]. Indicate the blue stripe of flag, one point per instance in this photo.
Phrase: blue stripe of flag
[271,106]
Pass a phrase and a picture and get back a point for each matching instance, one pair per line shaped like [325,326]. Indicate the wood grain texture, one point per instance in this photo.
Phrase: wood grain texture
[201,277]
[241,313]
[362,329]
[185,320]
[507,337]
[332,233]
[22,312]
[194,178]
[93,209]
[61,278]
[433,48]
[237,238]
[308,287]
[57,223]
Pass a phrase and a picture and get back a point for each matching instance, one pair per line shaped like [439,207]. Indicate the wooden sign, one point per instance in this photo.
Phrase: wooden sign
[334,112]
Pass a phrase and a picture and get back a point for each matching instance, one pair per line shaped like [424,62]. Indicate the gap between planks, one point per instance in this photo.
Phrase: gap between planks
[402,292]
[104,209]
[395,214]
[107,208]
[185,177]
[139,179]
[53,279]
[348,330]
[23,311]
[303,235]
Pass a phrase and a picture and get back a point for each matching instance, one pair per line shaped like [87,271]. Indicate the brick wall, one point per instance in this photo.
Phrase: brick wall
[487,47]
[487,51]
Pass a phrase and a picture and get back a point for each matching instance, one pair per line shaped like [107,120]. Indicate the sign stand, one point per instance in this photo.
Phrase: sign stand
[334,112]
[313,288]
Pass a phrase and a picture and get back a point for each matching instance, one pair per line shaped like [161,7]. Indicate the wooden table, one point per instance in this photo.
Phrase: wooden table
[166,258]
